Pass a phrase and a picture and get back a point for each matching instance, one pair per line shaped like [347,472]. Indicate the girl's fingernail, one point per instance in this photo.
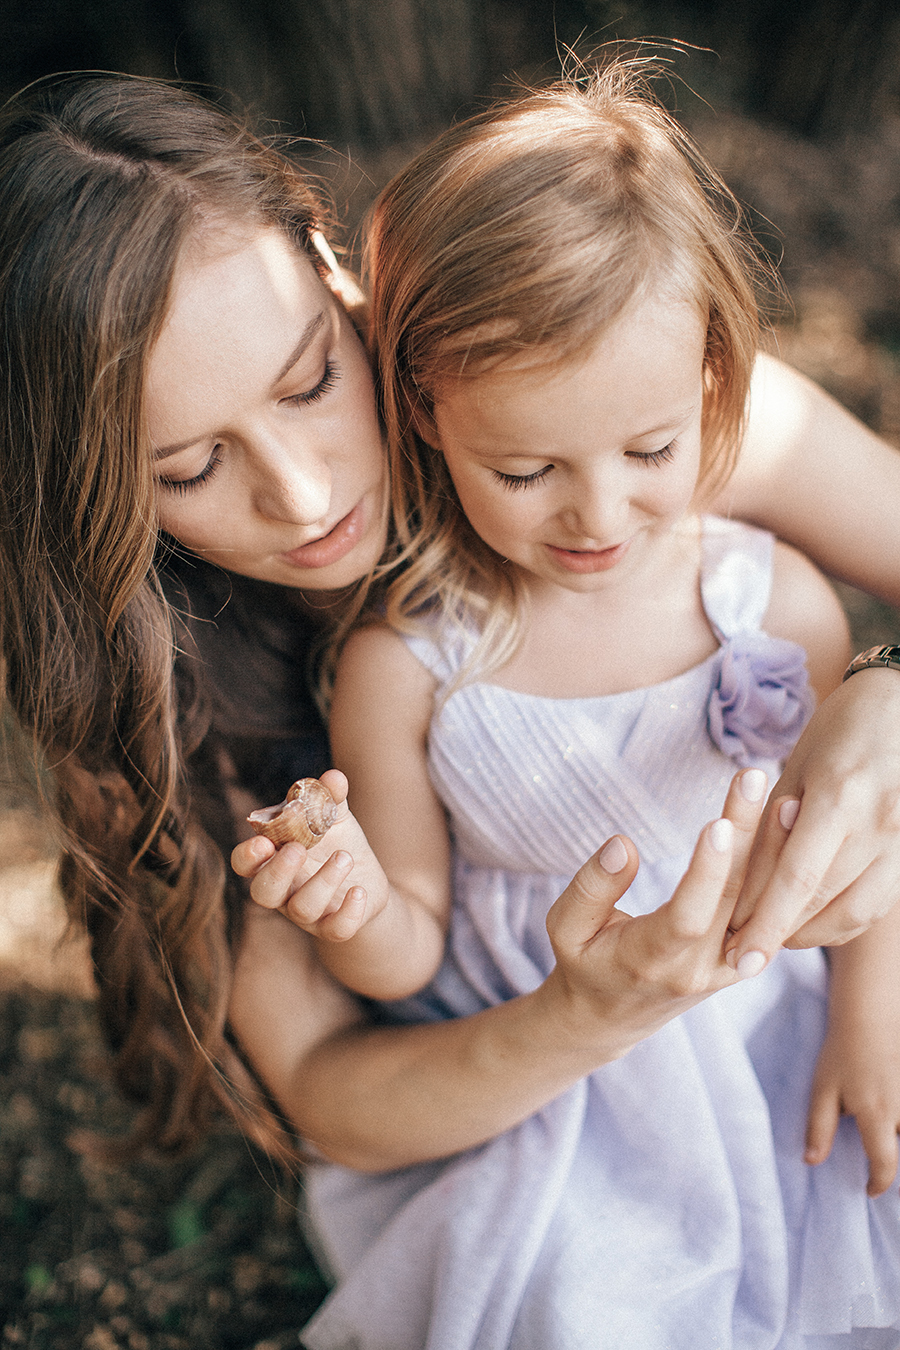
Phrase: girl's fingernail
[613,856]
[342,860]
[721,834]
[788,812]
[753,785]
[750,964]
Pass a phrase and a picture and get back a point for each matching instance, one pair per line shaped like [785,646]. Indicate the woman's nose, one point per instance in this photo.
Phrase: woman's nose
[293,484]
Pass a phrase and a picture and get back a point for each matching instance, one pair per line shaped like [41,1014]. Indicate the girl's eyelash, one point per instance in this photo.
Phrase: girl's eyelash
[330,377]
[515,481]
[657,457]
[185,485]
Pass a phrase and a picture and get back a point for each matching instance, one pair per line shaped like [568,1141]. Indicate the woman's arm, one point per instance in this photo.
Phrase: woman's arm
[815,476]
[818,478]
[381,1097]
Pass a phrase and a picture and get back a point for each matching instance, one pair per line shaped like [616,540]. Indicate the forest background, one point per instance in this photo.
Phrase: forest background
[799,107]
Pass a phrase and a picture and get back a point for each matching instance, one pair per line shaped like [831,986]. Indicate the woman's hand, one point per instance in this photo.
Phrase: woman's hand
[822,874]
[630,975]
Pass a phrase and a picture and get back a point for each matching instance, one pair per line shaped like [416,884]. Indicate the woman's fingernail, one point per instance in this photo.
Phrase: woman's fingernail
[788,812]
[753,785]
[750,964]
[613,856]
[721,834]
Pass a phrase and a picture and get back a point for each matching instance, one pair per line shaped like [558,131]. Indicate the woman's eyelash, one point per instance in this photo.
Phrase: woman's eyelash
[663,456]
[330,377]
[185,485]
[516,481]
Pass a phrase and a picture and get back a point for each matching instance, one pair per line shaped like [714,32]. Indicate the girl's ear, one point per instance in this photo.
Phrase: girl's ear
[341,282]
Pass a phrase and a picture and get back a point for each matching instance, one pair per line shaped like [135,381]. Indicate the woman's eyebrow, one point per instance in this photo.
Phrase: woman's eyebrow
[306,337]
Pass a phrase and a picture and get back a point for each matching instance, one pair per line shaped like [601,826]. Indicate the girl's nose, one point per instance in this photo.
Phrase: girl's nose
[596,511]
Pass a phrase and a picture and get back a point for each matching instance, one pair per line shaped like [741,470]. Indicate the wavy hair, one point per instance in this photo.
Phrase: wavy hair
[102,178]
[527,230]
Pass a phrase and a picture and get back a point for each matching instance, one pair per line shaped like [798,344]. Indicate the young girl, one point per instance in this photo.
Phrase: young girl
[565,332]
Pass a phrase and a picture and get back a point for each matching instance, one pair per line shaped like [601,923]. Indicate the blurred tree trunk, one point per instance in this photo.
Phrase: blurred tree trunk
[823,65]
[368,74]
[347,71]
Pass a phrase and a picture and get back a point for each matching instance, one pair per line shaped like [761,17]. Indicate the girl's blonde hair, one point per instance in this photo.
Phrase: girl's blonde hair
[525,231]
[102,178]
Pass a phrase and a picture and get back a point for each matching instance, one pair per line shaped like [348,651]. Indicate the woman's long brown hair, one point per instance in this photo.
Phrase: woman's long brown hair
[101,180]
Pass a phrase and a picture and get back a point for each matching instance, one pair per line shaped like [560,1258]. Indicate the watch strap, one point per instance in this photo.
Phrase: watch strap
[874,656]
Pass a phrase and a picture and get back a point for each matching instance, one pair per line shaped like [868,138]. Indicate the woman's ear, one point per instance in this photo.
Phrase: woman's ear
[341,282]
[424,425]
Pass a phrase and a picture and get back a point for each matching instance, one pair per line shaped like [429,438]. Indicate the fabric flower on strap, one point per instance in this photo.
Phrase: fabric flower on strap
[761,700]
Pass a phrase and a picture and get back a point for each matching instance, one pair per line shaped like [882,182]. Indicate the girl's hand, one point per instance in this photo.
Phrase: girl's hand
[827,877]
[330,892]
[628,976]
[858,1074]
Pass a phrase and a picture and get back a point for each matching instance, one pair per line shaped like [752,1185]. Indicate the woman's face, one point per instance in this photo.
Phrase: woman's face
[261,415]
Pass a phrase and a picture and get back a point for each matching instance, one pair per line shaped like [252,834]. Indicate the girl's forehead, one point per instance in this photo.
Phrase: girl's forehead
[515,342]
[667,313]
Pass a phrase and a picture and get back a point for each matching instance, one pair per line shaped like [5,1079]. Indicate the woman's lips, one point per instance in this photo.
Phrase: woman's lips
[585,560]
[330,548]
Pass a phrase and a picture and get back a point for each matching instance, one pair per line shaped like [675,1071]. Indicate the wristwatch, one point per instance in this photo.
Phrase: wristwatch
[875,656]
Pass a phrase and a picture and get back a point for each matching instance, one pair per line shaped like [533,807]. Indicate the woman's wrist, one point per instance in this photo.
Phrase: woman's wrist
[885,656]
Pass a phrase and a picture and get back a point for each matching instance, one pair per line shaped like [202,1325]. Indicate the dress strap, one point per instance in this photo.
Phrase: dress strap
[735,575]
[443,650]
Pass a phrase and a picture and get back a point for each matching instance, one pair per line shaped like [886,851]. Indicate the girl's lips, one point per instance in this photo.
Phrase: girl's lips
[330,548]
[582,560]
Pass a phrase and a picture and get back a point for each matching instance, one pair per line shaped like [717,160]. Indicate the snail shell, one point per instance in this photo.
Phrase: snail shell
[304,816]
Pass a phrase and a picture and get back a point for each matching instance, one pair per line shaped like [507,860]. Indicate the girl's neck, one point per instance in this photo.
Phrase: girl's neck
[641,630]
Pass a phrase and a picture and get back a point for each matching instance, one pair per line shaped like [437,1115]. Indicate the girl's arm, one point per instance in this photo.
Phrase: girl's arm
[814,475]
[381,1097]
[375,891]
[380,713]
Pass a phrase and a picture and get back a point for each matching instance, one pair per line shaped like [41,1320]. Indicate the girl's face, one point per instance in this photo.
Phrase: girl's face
[575,472]
[261,414]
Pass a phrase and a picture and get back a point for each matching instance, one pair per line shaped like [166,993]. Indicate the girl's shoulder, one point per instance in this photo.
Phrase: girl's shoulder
[804,608]
[751,580]
[377,670]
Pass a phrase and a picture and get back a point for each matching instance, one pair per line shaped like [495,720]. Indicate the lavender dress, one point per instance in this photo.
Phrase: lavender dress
[661,1203]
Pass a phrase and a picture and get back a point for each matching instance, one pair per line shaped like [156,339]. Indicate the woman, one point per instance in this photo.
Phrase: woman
[193,479]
